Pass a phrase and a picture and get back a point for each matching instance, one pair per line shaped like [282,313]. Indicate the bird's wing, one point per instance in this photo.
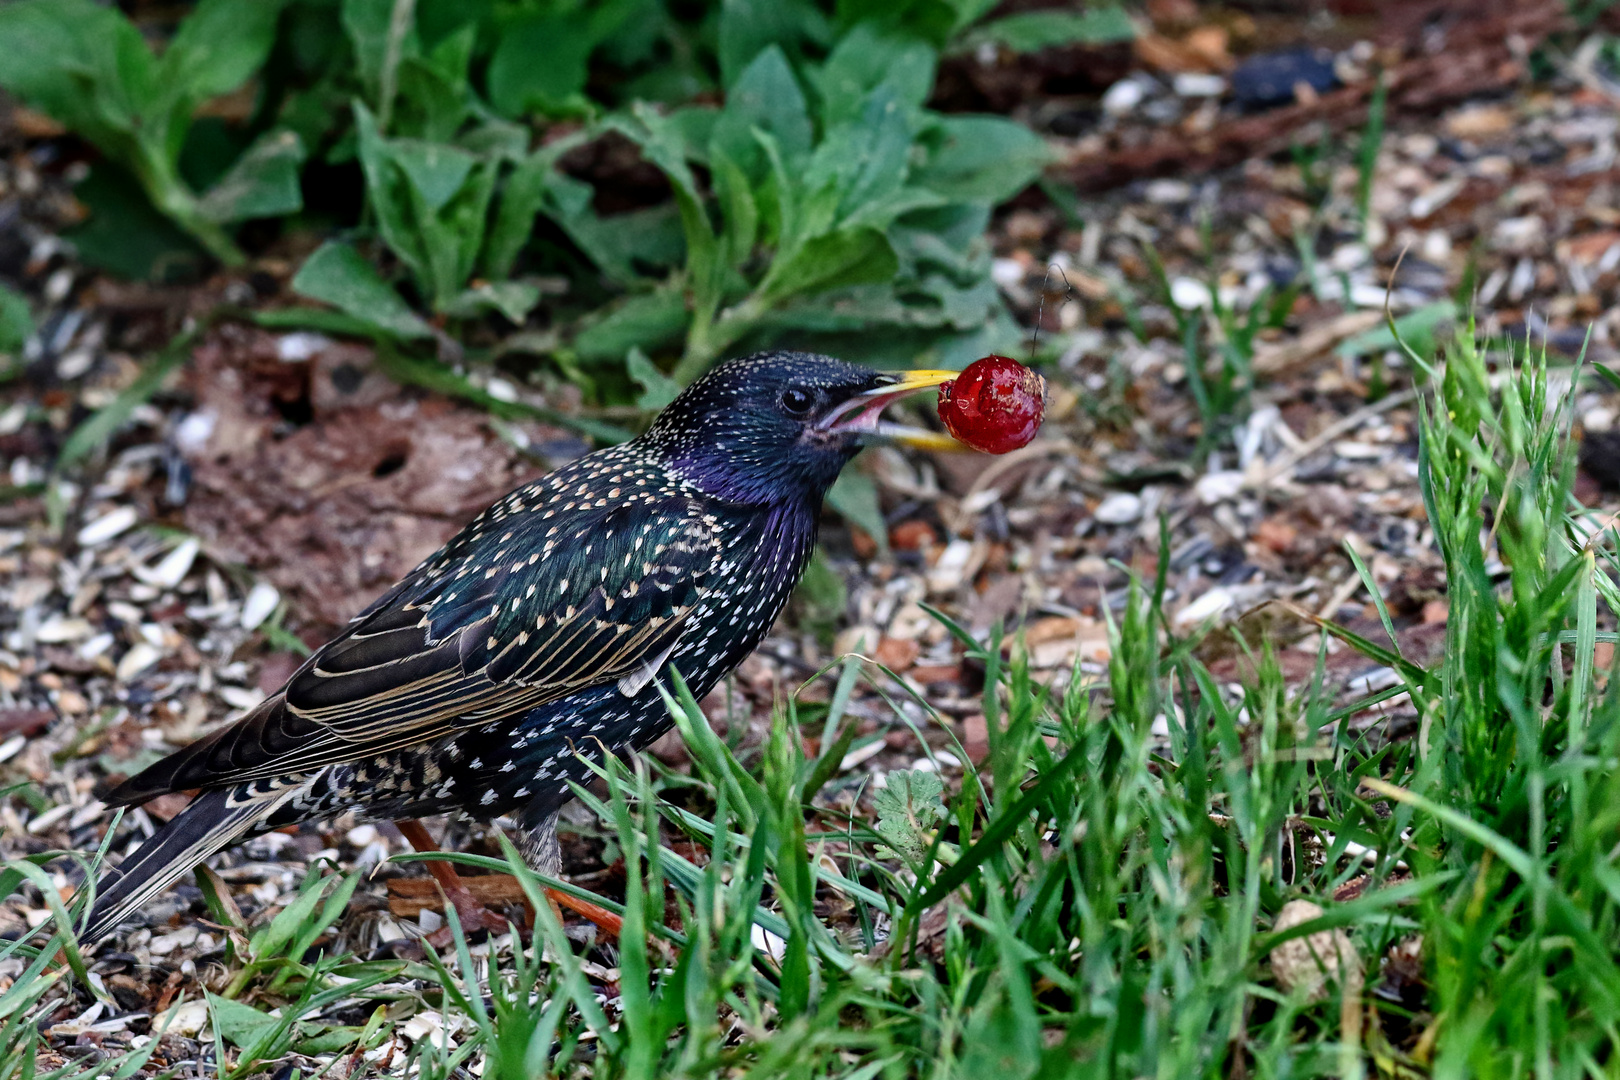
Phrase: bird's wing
[518,610]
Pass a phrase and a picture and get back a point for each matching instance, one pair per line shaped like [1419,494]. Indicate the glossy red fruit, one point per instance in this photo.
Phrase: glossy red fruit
[995,405]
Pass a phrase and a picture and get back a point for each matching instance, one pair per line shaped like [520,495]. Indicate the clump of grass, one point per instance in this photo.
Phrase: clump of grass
[1099,896]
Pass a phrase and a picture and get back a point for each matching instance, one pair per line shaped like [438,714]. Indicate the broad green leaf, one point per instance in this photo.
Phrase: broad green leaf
[868,57]
[217,47]
[262,183]
[856,163]
[1027,31]
[854,497]
[646,321]
[662,144]
[389,192]
[436,172]
[983,159]
[629,247]
[934,21]
[125,235]
[657,389]
[337,274]
[766,97]
[452,235]
[737,207]
[908,806]
[433,103]
[16,323]
[513,299]
[239,1024]
[540,65]
[846,257]
[81,63]
[747,27]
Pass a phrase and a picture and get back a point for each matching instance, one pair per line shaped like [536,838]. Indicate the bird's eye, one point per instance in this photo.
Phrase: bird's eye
[798,402]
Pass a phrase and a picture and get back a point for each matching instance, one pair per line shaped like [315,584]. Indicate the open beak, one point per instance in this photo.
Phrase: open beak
[863,413]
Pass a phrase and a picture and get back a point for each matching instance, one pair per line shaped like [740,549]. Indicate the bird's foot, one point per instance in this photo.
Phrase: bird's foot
[472,912]
[605,920]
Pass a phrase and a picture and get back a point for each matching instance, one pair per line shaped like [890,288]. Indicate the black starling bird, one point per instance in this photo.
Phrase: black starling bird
[538,632]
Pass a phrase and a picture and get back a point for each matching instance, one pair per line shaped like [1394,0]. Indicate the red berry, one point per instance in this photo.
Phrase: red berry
[995,405]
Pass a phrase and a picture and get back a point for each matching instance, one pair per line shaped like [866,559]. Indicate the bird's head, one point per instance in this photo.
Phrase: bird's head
[779,426]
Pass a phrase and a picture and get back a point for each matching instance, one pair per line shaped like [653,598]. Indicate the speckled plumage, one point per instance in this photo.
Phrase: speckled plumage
[535,635]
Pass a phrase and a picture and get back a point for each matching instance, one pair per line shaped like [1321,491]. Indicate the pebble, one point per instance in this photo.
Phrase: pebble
[261,601]
[861,754]
[1268,79]
[175,565]
[1123,97]
[299,347]
[1007,272]
[1168,192]
[1120,508]
[1306,964]
[240,697]
[1206,607]
[1198,84]
[1219,486]
[1189,294]
[61,629]
[187,1018]
[107,526]
[141,655]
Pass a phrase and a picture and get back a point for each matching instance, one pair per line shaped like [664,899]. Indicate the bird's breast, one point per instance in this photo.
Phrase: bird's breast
[764,555]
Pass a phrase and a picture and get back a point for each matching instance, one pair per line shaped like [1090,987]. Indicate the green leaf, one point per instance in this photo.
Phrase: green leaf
[513,299]
[857,163]
[847,257]
[983,159]
[747,27]
[540,66]
[239,1024]
[908,806]
[766,97]
[657,389]
[367,23]
[126,236]
[625,247]
[262,183]
[868,57]
[1420,329]
[337,274]
[16,323]
[432,104]
[81,63]
[436,172]
[1028,31]
[854,497]
[646,321]
[219,45]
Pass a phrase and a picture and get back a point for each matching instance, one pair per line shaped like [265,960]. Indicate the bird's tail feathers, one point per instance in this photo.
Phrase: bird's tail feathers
[214,820]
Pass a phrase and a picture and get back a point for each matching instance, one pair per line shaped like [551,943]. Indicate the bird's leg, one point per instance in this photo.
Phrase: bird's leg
[541,852]
[473,914]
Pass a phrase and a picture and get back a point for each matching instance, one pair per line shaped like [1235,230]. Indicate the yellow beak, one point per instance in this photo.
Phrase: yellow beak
[863,412]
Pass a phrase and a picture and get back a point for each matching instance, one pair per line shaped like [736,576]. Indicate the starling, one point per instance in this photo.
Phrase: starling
[538,634]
